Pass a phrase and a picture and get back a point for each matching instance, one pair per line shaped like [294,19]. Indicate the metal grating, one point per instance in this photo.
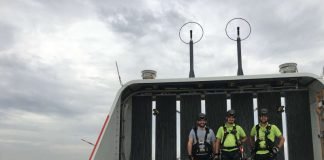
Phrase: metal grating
[190,107]
[242,103]
[215,110]
[299,130]
[166,133]
[272,100]
[141,128]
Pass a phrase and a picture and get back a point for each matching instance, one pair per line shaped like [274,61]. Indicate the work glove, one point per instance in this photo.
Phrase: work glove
[275,150]
[216,156]
[239,143]
[252,149]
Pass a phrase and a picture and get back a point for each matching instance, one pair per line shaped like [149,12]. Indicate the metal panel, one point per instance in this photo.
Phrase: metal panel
[166,133]
[216,107]
[109,141]
[272,100]
[190,107]
[299,125]
[141,128]
[242,103]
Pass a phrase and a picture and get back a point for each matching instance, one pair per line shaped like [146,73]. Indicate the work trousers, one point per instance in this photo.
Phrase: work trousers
[202,158]
[267,156]
[232,155]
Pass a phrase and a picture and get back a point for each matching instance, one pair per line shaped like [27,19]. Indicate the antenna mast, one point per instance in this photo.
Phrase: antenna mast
[239,56]
[191,73]
[189,26]
[238,41]
[120,82]
[322,72]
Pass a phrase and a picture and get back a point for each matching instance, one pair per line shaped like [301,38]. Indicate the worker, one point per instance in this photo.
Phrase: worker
[229,138]
[265,134]
[201,140]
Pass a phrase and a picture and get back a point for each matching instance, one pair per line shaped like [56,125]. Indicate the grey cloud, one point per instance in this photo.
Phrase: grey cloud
[24,87]
[316,67]
[44,16]
[77,108]
[154,38]
[301,32]
[59,137]
[60,9]
[7,35]
[37,88]
[277,31]
[278,27]
[131,22]
[135,20]
[50,150]
[137,24]
[106,6]
[281,32]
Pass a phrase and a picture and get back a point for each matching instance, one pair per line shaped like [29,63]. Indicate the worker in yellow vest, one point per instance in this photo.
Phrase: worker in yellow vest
[265,134]
[229,138]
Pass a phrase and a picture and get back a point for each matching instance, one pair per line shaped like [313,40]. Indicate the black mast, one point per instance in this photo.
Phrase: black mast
[239,57]
[191,73]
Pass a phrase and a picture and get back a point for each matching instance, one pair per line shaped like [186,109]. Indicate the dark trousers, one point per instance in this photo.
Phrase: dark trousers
[202,158]
[264,157]
[232,155]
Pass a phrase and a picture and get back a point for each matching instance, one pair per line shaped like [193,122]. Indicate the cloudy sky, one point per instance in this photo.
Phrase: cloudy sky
[57,59]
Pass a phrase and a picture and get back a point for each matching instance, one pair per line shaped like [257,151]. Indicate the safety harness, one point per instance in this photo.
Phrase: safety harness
[202,150]
[268,142]
[226,133]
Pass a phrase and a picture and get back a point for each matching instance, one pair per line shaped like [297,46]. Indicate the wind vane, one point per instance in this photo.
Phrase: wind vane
[238,23]
[183,35]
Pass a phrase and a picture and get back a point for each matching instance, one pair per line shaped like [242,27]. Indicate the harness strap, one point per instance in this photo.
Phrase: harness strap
[207,132]
[206,135]
[229,147]
[195,130]
[257,127]
[234,133]
[269,143]
[207,147]
[226,133]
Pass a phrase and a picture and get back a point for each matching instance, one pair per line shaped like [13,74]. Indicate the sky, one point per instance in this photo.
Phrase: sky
[58,76]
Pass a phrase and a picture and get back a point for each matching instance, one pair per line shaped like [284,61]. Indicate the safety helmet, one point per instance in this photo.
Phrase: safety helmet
[202,116]
[230,113]
[263,112]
